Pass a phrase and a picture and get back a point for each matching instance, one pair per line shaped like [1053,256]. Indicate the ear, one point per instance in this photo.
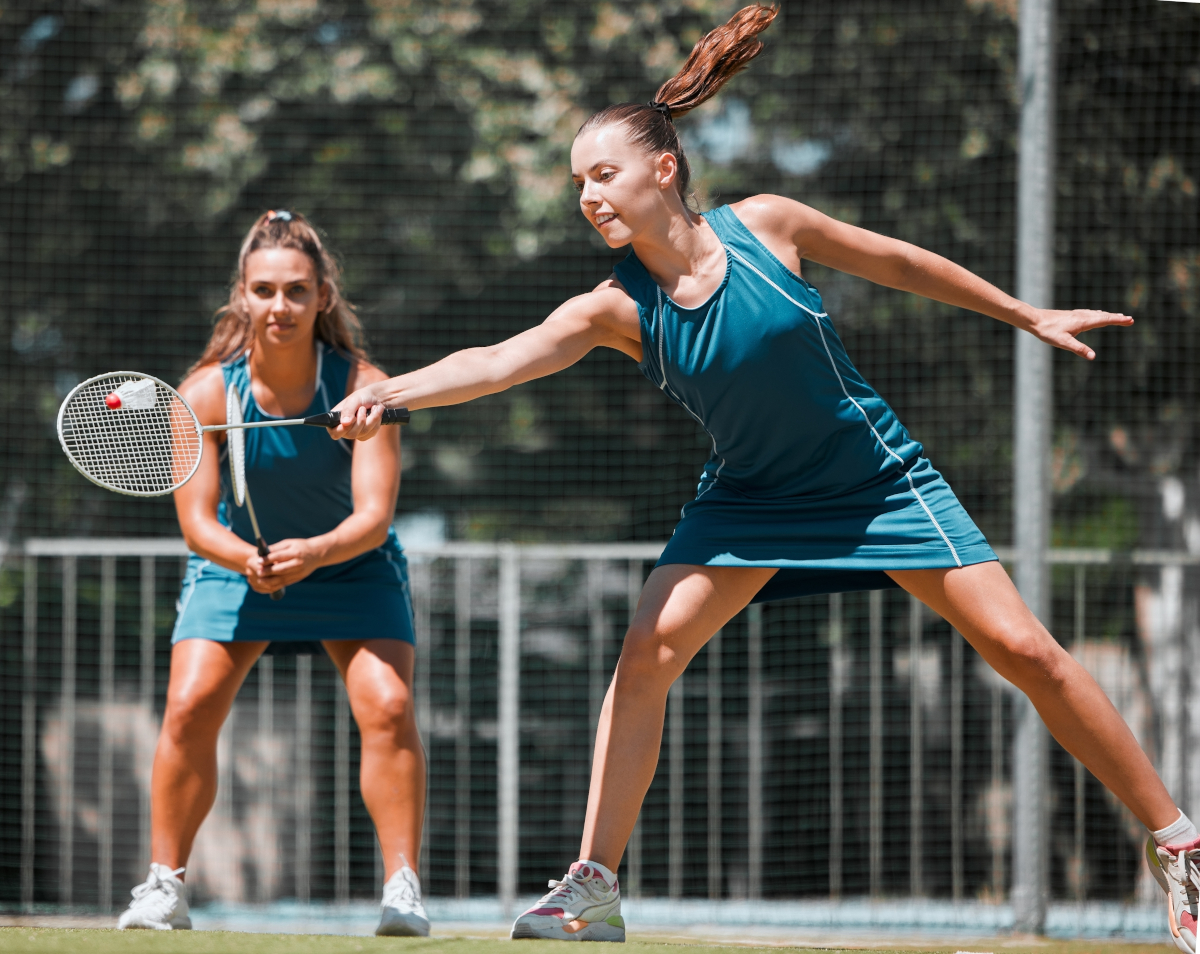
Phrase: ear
[323,295]
[666,170]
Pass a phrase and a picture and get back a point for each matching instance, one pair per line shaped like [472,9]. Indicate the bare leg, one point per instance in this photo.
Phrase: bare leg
[378,675]
[981,602]
[680,608]
[205,677]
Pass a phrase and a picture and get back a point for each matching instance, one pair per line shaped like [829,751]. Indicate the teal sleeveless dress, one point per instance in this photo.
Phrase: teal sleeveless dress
[810,470]
[299,482]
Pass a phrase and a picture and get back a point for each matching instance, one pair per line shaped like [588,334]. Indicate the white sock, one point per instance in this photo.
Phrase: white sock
[1181,832]
[609,878]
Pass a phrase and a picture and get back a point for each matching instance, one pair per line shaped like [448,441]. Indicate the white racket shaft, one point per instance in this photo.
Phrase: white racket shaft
[236,448]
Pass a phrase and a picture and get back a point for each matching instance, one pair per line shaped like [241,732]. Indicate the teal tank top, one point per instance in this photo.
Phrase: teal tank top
[761,369]
[298,479]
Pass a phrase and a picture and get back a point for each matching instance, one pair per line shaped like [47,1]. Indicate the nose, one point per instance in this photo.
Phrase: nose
[279,304]
[589,196]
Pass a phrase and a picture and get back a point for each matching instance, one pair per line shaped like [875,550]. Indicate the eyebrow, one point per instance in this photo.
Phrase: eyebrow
[596,165]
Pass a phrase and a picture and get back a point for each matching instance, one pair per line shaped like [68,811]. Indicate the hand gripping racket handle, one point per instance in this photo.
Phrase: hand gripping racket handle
[391,415]
[264,553]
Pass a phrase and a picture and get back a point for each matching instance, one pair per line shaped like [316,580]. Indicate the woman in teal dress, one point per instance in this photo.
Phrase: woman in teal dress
[812,484]
[286,345]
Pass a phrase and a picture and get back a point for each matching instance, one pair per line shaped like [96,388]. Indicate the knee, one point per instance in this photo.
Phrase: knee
[1032,657]
[384,709]
[647,661]
[192,715]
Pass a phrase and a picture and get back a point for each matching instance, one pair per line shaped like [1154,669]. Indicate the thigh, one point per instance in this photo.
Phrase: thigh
[682,606]
[373,669]
[207,673]
[981,602]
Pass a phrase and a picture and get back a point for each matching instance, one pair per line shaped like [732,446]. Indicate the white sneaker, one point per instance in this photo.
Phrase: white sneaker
[159,903]
[1174,868]
[582,895]
[403,914]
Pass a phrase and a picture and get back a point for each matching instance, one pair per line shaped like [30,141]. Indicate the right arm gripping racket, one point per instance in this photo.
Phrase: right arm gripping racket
[236,439]
[136,435]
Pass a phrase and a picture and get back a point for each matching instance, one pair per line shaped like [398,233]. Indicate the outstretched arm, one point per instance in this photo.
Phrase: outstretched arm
[606,317]
[897,264]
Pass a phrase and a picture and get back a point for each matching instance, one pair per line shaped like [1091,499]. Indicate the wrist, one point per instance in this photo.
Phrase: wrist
[1025,317]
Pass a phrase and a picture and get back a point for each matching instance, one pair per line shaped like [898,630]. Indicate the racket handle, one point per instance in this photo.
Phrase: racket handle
[264,552]
[391,415]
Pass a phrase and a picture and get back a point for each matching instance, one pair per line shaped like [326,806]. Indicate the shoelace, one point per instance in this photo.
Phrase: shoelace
[166,892]
[1182,868]
[561,890]
[402,889]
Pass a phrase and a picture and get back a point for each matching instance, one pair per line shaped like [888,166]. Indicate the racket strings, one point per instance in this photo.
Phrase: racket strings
[135,450]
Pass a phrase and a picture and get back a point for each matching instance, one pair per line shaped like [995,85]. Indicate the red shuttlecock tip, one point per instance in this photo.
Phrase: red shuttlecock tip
[113,400]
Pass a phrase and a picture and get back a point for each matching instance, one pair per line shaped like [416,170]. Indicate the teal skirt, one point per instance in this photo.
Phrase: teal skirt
[832,544]
[364,598]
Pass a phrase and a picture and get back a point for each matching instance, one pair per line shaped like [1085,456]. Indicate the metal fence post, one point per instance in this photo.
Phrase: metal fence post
[108,635]
[675,717]
[66,811]
[508,748]
[1033,405]
[303,777]
[633,853]
[916,758]
[838,680]
[146,698]
[597,627]
[956,765]
[875,799]
[716,767]
[462,744]
[267,881]
[29,735]
[421,582]
[341,793]
[754,752]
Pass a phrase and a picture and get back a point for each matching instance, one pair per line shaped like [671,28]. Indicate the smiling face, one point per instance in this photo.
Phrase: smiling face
[282,295]
[623,190]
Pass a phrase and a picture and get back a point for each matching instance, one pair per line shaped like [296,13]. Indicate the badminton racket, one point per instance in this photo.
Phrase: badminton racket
[235,445]
[134,434]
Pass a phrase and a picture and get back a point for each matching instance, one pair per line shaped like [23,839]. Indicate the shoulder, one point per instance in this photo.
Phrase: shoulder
[772,214]
[204,390]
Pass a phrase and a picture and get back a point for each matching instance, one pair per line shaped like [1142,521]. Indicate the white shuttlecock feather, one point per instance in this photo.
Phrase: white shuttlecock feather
[137,395]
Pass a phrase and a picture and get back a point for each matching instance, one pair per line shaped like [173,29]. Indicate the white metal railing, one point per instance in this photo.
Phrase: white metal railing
[508,559]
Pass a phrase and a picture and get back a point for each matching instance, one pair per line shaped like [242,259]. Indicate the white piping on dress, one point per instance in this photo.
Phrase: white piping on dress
[833,364]
[660,314]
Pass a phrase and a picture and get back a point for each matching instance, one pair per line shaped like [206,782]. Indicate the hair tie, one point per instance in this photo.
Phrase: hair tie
[661,108]
[283,215]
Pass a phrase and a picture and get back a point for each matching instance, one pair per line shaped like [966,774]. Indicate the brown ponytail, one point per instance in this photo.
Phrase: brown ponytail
[719,56]
[338,326]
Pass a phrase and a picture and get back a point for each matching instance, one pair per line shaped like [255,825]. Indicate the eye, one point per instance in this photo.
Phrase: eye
[578,185]
[262,291]
[606,175]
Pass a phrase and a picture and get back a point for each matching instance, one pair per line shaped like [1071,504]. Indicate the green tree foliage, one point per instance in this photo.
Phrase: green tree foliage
[138,139]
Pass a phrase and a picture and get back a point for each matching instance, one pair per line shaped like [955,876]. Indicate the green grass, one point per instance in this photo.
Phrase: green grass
[108,941]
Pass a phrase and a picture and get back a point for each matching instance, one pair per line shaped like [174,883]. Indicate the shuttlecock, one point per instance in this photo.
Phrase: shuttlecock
[133,395]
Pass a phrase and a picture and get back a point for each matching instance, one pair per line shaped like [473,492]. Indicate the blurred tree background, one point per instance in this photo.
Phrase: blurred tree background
[140,138]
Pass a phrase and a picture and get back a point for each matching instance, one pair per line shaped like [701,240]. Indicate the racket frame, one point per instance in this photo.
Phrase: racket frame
[107,486]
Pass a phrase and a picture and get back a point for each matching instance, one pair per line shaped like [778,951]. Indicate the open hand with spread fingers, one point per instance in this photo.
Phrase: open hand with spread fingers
[1062,328]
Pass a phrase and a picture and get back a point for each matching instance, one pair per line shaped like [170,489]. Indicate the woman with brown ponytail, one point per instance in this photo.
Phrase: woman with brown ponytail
[287,344]
[812,485]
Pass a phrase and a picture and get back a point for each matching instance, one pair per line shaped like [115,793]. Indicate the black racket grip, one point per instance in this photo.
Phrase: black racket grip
[391,415]
[264,553]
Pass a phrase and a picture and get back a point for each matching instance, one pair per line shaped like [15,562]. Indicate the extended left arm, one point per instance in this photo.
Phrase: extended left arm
[896,264]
